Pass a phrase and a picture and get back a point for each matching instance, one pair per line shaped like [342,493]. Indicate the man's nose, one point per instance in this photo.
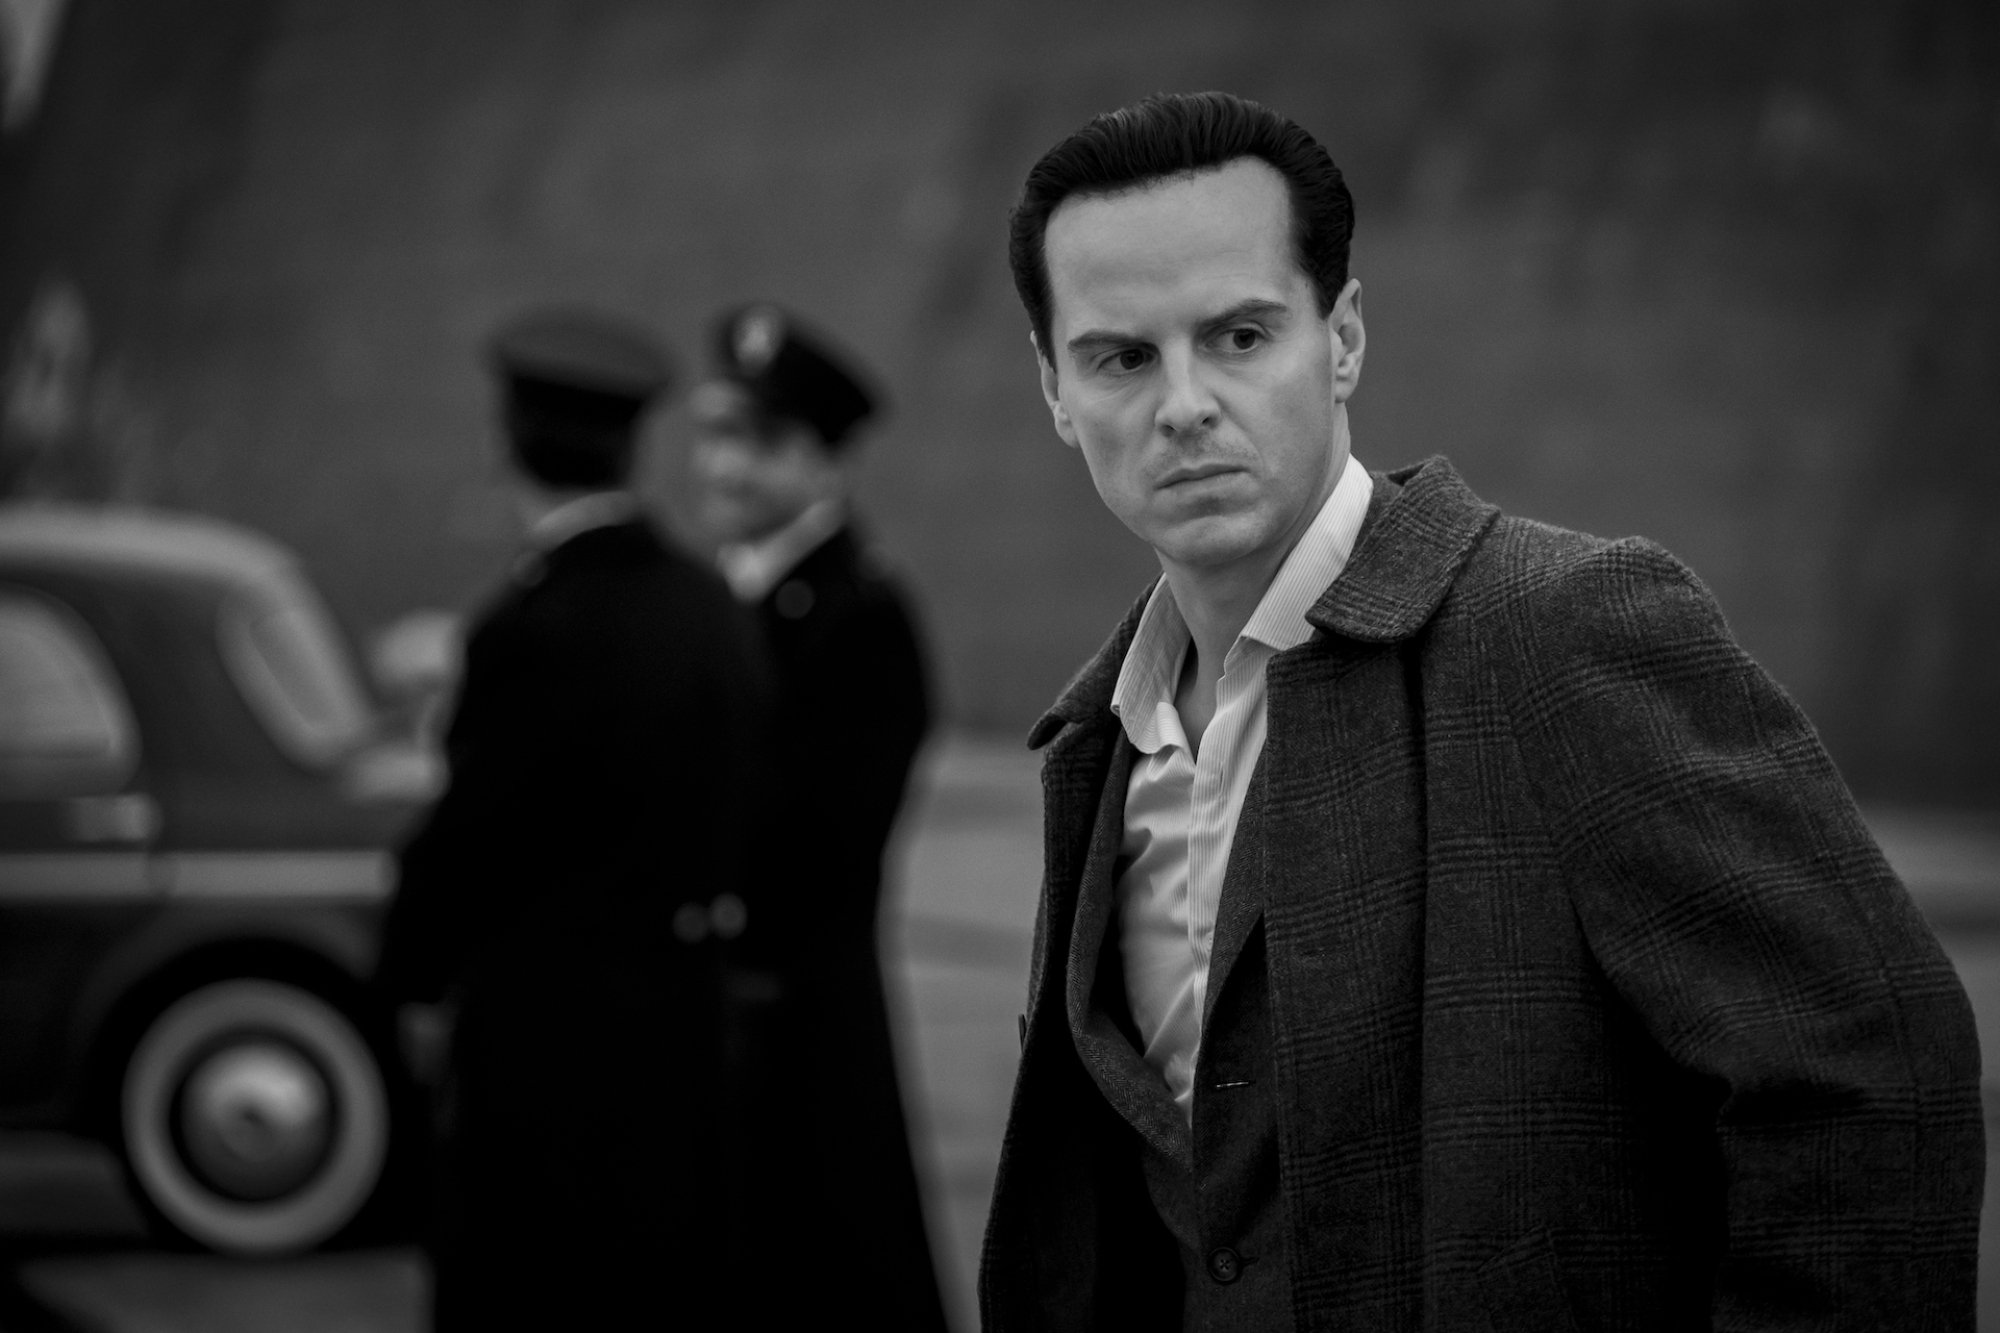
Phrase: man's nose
[716,460]
[1187,404]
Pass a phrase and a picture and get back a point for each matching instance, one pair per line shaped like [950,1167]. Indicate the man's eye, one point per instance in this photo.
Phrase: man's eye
[1130,358]
[1244,340]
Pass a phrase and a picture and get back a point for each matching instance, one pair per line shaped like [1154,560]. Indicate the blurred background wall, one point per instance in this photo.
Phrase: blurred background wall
[1722,272]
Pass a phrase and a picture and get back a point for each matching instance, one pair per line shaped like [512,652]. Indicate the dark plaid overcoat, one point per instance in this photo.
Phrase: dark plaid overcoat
[1593,1004]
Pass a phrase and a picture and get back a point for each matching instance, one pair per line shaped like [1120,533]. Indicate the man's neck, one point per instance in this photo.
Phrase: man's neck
[1216,610]
[1216,602]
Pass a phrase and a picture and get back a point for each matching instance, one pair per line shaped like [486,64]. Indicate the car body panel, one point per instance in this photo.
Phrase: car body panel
[228,839]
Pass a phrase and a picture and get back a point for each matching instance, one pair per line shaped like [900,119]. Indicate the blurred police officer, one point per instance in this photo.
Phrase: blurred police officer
[570,889]
[776,429]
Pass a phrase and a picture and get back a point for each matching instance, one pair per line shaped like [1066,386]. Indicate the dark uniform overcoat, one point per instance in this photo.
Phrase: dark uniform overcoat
[603,754]
[1554,968]
[853,709]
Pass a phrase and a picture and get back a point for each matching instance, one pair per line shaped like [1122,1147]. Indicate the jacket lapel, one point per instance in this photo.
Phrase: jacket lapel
[1097,995]
[1242,892]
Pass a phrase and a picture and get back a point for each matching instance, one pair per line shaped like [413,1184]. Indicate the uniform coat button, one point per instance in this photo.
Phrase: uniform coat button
[794,599]
[727,916]
[690,923]
[1224,1265]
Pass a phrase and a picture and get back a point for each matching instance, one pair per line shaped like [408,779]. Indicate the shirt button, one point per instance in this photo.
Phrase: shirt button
[1224,1265]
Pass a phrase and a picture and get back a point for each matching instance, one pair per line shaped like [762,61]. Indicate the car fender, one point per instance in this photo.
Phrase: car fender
[329,946]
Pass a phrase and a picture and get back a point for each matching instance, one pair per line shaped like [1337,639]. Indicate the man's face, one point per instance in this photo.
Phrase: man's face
[1192,366]
[756,473]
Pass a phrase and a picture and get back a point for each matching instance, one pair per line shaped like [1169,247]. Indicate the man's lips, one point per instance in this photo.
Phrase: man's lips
[1197,472]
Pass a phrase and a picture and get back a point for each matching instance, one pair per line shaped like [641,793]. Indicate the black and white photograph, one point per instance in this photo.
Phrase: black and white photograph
[999,667]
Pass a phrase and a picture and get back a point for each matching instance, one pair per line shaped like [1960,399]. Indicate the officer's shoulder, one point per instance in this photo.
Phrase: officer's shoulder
[638,566]
[881,586]
[875,568]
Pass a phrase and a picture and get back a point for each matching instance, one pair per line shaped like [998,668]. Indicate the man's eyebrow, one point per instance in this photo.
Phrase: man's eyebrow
[1098,340]
[1256,307]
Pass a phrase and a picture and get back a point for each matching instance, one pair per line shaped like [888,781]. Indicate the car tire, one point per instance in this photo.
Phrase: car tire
[253,1118]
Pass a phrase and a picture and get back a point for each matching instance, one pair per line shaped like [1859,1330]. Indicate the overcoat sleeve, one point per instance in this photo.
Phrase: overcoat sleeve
[1733,897]
[873,701]
[483,831]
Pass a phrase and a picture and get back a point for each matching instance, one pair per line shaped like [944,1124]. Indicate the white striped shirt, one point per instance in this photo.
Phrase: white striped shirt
[1181,810]
[752,569]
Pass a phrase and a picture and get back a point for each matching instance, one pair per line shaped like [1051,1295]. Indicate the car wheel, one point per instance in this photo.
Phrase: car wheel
[254,1117]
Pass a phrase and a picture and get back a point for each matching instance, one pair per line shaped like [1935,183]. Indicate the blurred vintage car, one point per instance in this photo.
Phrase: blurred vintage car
[198,798]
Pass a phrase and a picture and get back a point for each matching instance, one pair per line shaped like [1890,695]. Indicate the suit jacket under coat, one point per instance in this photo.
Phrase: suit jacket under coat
[1591,998]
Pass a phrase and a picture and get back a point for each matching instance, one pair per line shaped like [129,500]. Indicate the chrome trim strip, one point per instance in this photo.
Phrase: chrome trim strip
[355,874]
[55,875]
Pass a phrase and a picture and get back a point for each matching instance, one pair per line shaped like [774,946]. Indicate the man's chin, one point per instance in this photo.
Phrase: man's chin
[1212,542]
[729,526]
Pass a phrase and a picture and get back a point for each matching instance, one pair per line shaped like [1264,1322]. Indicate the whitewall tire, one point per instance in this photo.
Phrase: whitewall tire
[254,1118]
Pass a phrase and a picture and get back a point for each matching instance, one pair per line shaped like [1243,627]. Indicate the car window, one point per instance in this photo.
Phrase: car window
[292,664]
[65,728]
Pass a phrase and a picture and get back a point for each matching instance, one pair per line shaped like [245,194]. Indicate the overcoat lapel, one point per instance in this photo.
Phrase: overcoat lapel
[1346,802]
[1344,925]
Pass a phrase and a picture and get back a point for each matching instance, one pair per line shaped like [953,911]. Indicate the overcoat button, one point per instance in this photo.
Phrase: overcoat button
[794,599]
[690,923]
[727,916]
[1224,1265]
[528,569]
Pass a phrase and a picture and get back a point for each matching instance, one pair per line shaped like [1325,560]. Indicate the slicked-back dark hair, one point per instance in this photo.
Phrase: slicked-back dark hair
[1180,134]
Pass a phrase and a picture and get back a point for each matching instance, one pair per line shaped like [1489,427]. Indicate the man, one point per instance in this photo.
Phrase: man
[1446,925]
[570,889]
[777,427]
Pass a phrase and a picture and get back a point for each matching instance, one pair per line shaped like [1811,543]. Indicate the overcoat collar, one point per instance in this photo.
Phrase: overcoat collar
[584,549]
[1422,524]
[833,557]
[841,549]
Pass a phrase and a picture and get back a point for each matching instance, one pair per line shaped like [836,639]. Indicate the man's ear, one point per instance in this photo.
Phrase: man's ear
[1350,340]
[1051,393]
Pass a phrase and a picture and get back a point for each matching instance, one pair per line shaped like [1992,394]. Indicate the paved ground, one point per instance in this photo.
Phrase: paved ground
[971,866]
[73,1256]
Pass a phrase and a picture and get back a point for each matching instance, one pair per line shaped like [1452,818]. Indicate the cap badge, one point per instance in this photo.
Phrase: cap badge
[758,334]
